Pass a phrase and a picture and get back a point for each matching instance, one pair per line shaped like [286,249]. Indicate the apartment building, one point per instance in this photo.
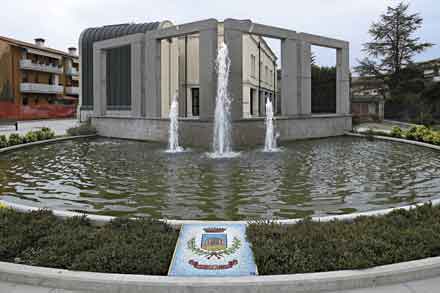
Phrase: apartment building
[180,69]
[37,82]
[431,69]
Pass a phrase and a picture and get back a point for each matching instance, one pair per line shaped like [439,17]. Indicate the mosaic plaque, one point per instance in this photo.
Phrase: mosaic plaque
[213,251]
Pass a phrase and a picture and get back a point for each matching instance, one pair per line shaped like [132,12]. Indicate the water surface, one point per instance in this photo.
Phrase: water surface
[314,177]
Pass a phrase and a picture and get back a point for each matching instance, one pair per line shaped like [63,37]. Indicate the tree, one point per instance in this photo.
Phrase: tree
[393,46]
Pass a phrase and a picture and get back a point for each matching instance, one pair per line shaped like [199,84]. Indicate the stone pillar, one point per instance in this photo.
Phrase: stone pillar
[152,72]
[304,78]
[99,82]
[182,48]
[289,78]
[136,79]
[208,42]
[343,81]
[234,40]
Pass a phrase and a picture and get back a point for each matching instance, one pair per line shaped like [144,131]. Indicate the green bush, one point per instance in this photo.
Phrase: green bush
[45,133]
[419,133]
[3,141]
[342,245]
[15,139]
[31,136]
[123,246]
[83,129]
[396,132]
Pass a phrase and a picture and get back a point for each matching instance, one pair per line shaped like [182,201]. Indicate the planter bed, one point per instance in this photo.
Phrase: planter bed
[121,246]
[364,242]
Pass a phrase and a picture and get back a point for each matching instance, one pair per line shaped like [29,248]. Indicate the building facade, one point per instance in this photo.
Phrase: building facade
[37,82]
[180,70]
[431,69]
[131,72]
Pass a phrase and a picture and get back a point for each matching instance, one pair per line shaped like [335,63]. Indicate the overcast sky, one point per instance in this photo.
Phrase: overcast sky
[60,22]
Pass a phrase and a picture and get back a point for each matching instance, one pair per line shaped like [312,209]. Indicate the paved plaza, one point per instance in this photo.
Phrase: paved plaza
[60,126]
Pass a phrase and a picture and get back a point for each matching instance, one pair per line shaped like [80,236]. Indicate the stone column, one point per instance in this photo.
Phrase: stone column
[234,40]
[99,82]
[182,43]
[136,79]
[289,77]
[152,72]
[208,42]
[343,81]
[304,78]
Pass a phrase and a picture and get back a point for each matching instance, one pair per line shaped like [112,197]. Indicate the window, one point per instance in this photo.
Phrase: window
[253,65]
[266,72]
[251,102]
[271,78]
[195,94]
[25,101]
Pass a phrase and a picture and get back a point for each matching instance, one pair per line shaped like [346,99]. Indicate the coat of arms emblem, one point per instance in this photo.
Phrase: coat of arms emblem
[214,245]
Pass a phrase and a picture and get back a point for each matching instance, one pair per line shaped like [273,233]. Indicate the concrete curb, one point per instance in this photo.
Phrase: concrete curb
[313,282]
[47,141]
[401,140]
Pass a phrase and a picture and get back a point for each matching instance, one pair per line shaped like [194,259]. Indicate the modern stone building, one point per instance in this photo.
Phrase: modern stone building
[36,81]
[131,71]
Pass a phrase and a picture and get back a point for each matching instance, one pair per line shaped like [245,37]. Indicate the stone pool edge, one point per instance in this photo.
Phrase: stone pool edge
[100,219]
[46,141]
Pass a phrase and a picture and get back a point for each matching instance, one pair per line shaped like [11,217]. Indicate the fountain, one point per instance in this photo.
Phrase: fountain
[222,122]
[173,138]
[270,144]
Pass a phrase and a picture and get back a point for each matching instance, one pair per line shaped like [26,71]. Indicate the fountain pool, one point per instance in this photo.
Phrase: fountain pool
[127,178]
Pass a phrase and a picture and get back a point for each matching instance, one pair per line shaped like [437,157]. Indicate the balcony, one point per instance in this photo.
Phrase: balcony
[436,79]
[27,64]
[72,71]
[72,90]
[41,88]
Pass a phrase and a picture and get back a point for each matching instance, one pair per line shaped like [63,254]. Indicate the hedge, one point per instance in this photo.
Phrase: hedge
[32,136]
[417,133]
[123,246]
[343,245]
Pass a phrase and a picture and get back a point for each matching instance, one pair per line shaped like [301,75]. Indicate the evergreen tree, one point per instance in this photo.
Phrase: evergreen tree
[393,46]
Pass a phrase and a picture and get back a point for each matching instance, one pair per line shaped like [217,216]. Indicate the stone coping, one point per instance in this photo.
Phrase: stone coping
[101,219]
[312,282]
[46,141]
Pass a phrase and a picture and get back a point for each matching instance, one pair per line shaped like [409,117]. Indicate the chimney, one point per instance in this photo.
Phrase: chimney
[72,51]
[39,42]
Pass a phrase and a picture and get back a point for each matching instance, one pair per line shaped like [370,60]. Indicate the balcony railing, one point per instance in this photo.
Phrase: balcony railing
[72,71]
[27,64]
[27,87]
[72,90]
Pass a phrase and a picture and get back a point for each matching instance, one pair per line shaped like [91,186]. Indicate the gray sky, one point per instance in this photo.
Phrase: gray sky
[61,21]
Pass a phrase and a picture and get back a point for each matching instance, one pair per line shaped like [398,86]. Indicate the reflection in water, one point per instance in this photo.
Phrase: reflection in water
[315,177]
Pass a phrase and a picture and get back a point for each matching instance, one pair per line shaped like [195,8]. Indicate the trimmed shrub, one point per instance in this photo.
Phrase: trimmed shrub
[45,133]
[31,136]
[15,139]
[83,129]
[342,245]
[3,141]
[396,132]
[123,246]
